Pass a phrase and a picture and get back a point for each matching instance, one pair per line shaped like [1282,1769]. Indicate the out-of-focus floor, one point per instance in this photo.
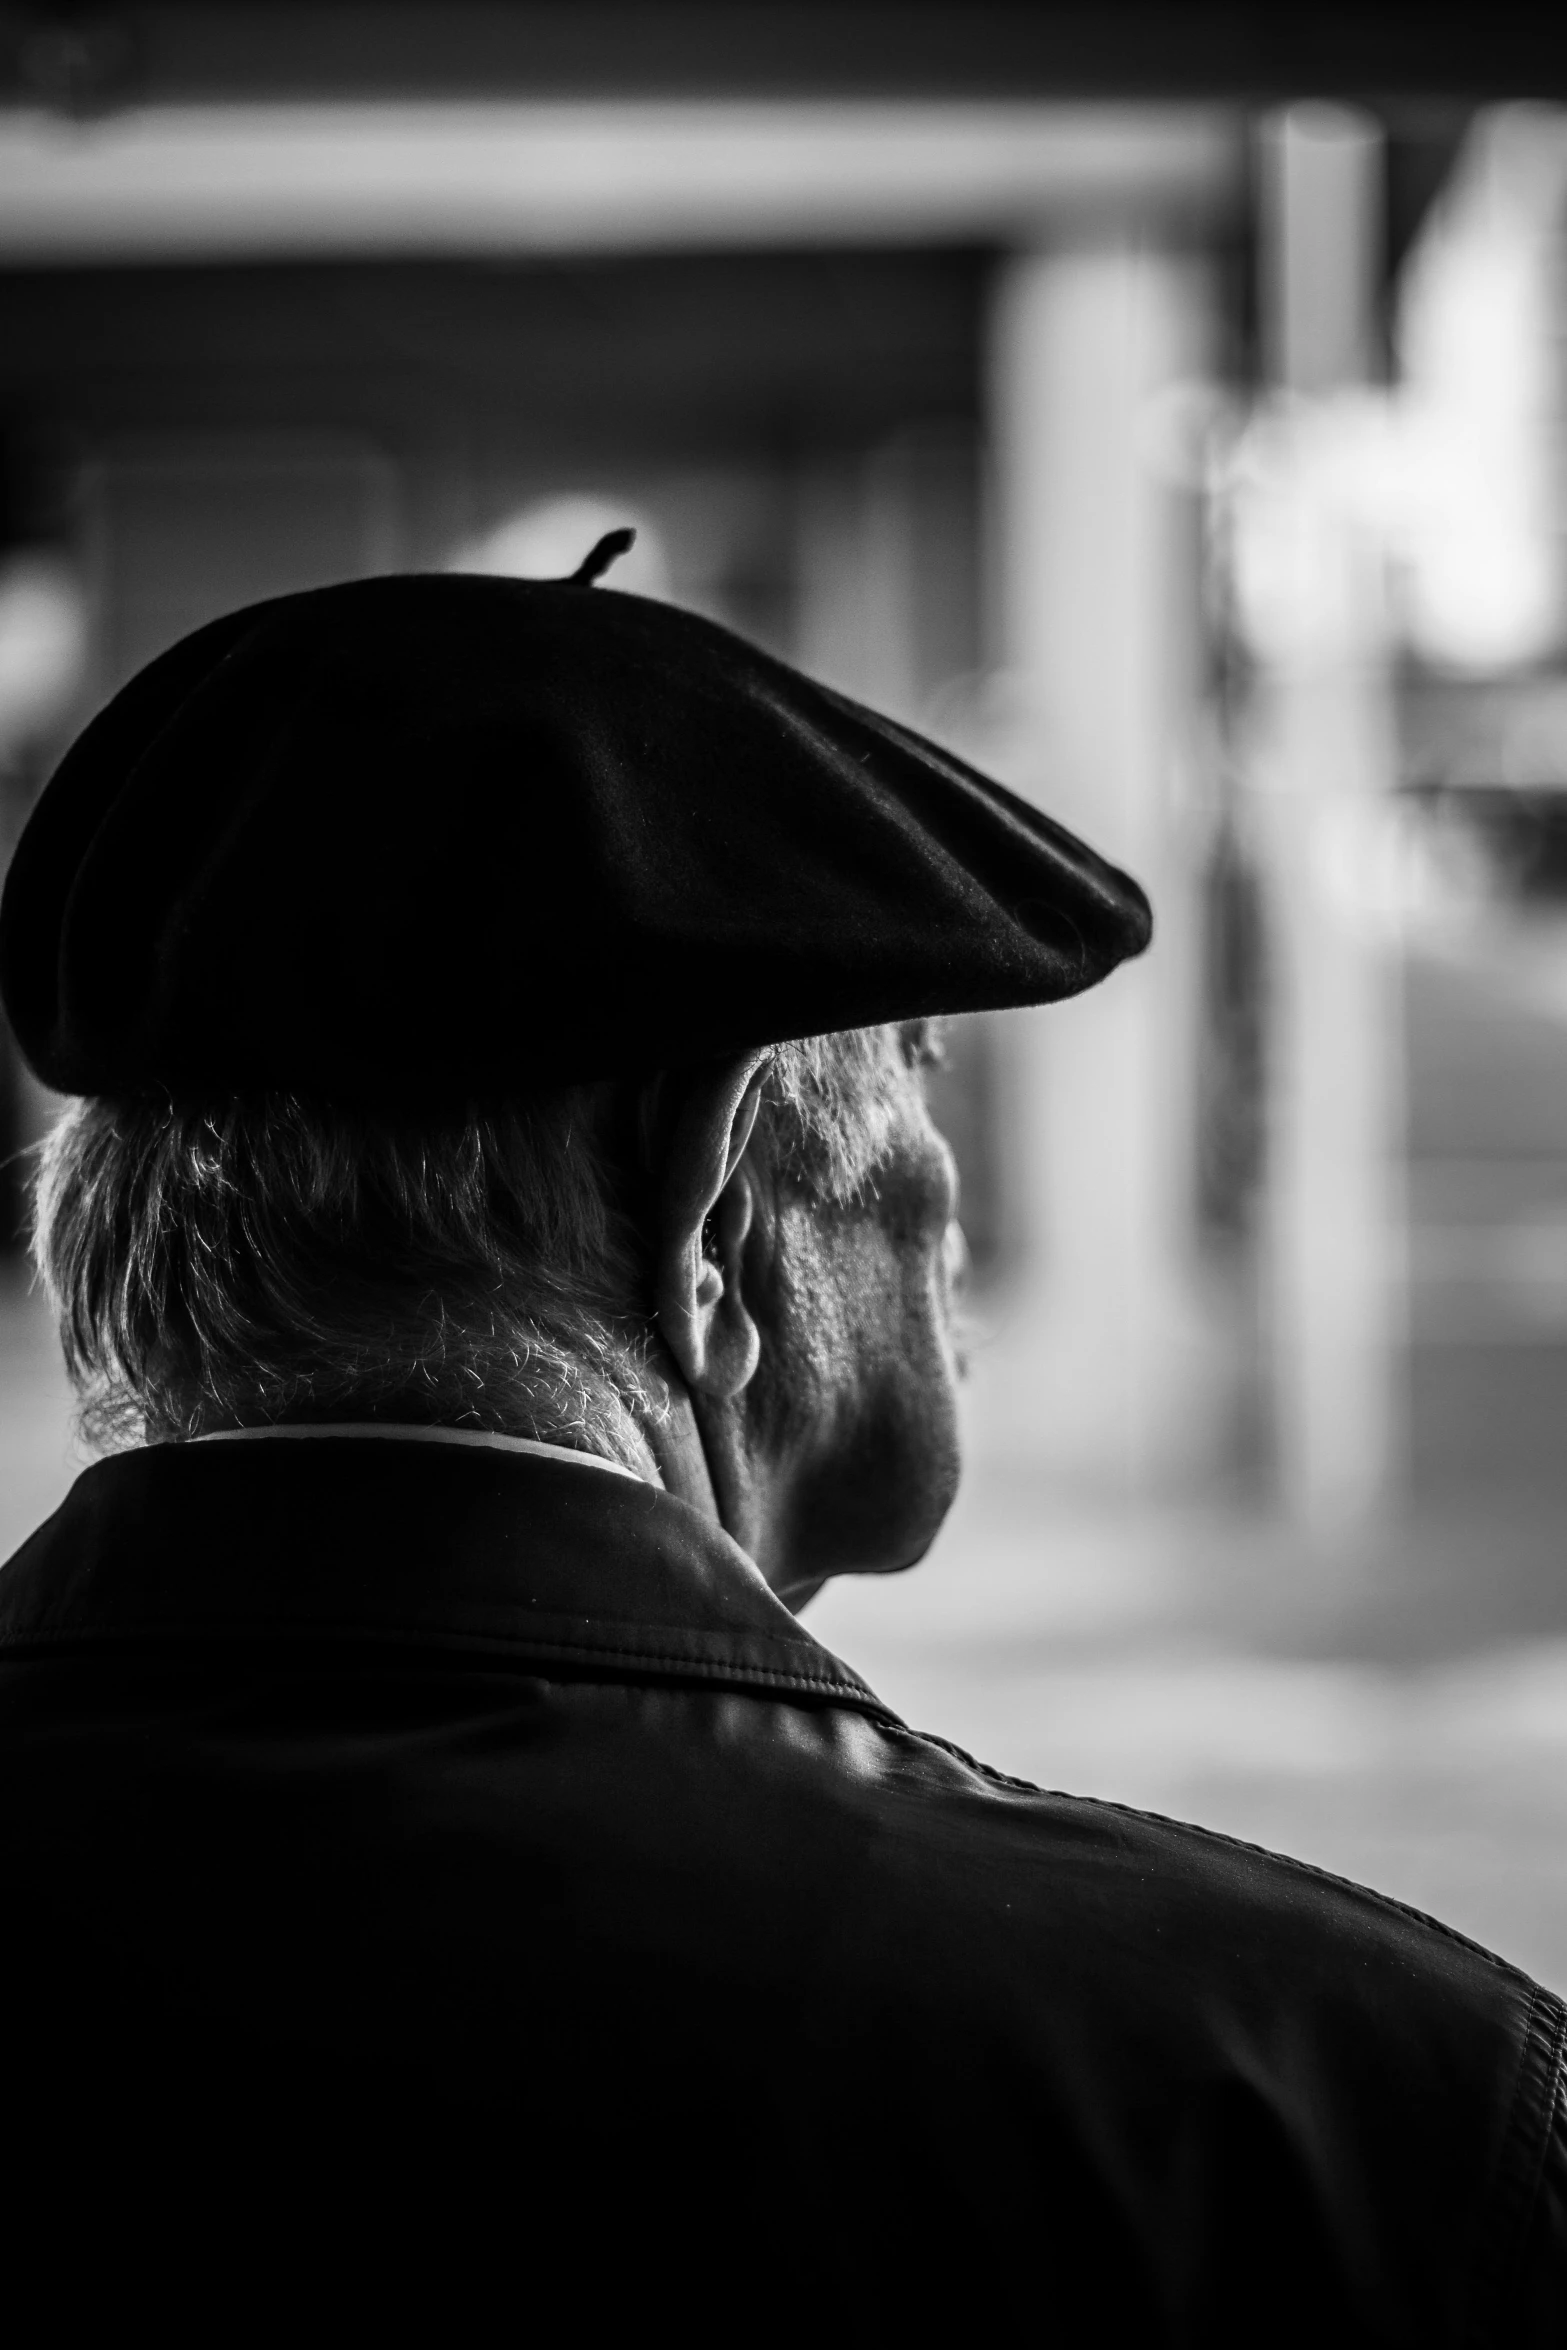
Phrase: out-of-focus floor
[1397,1711]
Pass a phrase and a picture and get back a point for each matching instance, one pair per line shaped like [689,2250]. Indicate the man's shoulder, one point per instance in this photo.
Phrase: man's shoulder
[1327,2082]
[1176,1949]
[951,1822]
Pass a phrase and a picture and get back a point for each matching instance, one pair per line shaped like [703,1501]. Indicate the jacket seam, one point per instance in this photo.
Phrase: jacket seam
[1298,1867]
[488,1643]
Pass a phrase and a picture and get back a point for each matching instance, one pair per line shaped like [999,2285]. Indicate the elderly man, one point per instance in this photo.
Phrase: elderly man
[502,1245]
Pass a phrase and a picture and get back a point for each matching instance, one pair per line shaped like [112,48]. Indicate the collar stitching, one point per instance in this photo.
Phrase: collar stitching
[513,1644]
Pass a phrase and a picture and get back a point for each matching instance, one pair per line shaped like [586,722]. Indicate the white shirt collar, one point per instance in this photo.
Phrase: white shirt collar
[424,1435]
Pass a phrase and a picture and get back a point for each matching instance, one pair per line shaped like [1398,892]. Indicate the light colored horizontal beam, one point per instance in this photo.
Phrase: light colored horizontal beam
[257,181]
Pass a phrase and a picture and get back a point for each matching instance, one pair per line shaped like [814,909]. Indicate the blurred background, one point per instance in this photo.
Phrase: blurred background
[1165,407]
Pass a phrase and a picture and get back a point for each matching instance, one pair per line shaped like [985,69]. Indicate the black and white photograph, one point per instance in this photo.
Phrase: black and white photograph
[783,1173]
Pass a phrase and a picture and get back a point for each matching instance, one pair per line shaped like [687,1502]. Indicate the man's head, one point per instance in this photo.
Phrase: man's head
[736,1277]
[336,868]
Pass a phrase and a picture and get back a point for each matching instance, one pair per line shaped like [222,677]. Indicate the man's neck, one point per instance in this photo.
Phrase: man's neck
[678,1456]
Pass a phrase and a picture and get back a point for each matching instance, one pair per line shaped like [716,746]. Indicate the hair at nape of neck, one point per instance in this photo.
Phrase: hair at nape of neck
[267,1258]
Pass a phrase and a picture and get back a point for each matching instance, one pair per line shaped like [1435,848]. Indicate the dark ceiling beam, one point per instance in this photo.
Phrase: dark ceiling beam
[82,56]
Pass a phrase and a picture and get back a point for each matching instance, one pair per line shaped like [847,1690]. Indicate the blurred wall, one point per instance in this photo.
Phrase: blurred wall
[903,399]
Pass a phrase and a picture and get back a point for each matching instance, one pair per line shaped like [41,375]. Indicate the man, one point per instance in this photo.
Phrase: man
[500,1227]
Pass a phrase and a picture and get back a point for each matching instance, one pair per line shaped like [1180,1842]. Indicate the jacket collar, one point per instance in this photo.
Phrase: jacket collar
[380,1431]
[509,1554]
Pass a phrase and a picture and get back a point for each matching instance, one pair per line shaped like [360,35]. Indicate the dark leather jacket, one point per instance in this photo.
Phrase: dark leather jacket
[435,1872]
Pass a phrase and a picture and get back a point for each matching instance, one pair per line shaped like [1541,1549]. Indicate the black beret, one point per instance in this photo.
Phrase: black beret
[439,837]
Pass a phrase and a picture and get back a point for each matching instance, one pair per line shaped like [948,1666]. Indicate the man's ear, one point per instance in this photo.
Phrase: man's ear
[704,1215]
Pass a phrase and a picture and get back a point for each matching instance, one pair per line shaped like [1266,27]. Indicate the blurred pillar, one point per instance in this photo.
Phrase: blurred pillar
[1324,759]
[884,560]
[1104,1367]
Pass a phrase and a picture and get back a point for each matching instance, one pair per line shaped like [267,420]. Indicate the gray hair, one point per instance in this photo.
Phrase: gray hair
[267,1258]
